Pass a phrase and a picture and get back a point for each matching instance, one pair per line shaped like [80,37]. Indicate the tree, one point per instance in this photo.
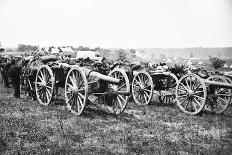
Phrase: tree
[216,62]
[121,54]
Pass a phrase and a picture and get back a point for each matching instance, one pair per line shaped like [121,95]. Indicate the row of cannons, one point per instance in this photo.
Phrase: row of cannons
[192,92]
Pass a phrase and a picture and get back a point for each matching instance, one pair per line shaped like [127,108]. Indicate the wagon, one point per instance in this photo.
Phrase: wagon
[80,84]
[195,93]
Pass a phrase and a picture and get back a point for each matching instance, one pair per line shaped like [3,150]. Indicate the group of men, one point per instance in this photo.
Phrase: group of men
[11,71]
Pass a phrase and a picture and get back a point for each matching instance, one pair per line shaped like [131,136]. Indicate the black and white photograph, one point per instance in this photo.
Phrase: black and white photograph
[133,77]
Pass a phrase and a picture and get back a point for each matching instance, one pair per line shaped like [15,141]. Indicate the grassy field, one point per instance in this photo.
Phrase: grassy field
[29,128]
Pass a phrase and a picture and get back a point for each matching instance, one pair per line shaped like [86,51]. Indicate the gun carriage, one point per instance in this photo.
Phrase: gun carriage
[145,80]
[195,92]
[79,84]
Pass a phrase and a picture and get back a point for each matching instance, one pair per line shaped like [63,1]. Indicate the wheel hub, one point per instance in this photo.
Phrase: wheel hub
[43,84]
[191,93]
[75,91]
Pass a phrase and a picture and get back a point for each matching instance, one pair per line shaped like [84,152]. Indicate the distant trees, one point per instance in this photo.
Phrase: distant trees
[22,48]
[216,62]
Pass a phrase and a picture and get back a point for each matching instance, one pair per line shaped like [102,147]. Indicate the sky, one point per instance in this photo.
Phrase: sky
[117,23]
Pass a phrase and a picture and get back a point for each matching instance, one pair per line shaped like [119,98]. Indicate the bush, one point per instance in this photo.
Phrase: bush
[216,62]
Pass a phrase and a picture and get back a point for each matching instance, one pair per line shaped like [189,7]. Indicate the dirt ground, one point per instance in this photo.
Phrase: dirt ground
[29,128]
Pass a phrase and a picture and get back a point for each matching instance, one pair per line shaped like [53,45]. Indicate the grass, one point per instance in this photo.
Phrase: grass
[29,128]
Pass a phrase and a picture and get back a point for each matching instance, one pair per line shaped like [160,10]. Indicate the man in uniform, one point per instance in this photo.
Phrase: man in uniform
[4,71]
[14,73]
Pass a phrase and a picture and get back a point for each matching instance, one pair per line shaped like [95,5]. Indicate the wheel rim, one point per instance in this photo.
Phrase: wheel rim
[220,104]
[76,90]
[119,100]
[44,84]
[142,88]
[191,94]
[168,95]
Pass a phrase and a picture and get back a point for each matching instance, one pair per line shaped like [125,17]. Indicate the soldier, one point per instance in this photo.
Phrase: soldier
[4,71]
[14,73]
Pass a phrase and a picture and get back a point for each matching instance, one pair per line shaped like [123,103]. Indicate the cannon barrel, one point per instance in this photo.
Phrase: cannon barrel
[219,84]
[89,72]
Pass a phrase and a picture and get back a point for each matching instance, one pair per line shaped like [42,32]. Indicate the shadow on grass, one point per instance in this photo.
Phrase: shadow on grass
[96,113]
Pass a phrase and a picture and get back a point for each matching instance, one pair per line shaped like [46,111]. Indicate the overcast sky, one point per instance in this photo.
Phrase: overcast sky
[117,23]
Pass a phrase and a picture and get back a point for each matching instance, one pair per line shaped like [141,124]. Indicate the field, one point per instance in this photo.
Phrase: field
[29,128]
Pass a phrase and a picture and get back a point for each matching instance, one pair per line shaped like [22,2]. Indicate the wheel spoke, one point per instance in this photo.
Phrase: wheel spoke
[121,87]
[81,95]
[184,86]
[199,97]
[41,79]
[182,96]
[146,94]
[120,103]
[187,83]
[48,87]
[198,103]
[80,102]
[47,96]
[49,93]
[183,100]
[147,90]
[182,90]
[145,97]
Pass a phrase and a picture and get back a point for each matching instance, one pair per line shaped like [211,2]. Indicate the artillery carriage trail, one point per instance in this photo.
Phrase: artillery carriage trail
[192,92]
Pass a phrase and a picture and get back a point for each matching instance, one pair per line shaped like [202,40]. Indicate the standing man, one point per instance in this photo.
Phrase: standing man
[14,73]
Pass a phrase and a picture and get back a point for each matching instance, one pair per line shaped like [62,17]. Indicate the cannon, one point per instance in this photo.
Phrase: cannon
[195,93]
[144,83]
[79,84]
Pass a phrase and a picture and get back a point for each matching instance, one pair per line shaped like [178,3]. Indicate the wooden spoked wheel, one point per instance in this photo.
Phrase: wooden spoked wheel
[44,84]
[230,82]
[191,94]
[76,90]
[142,88]
[120,99]
[167,96]
[220,102]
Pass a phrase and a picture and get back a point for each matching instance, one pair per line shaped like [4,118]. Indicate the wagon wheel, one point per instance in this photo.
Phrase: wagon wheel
[142,88]
[76,90]
[119,101]
[44,84]
[219,104]
[191,94]
[168,94]
[230,82]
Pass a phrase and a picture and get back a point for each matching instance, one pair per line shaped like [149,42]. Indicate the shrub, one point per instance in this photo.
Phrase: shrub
[216,62]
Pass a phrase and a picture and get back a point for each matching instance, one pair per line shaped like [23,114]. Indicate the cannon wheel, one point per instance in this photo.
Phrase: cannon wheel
[191,94]
[168,95]
[76,90]
[219,104]
[119,100]
[142,88]
[229,81]
[44,84]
